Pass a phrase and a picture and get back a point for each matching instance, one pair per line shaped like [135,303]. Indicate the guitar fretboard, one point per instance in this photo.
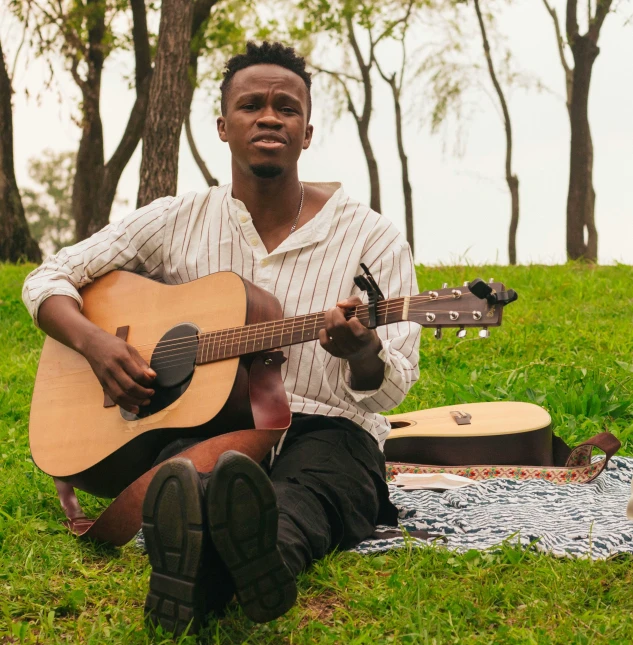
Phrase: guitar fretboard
[238,341]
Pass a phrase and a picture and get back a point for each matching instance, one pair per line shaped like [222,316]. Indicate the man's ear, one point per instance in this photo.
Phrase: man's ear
[307,139]
[222,128]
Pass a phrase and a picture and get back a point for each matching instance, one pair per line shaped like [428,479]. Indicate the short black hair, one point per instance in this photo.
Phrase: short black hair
[265,54]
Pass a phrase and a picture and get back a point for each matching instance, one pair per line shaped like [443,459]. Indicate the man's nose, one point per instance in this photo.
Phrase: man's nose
[268,119]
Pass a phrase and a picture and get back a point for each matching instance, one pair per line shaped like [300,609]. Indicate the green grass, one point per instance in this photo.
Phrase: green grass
[566,344]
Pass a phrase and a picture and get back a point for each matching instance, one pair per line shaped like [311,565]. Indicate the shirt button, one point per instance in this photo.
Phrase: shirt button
[254,242]
[264,263]
[243,219]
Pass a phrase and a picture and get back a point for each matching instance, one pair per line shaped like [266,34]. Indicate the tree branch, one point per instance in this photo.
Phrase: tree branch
[571,20]
[364,71]
[142,53]
[393,25]
[339,77]
[134,128]
[349,77]
[569,73]
[495,82]
[559,36]
[17,53]
[208,177]
[595,25]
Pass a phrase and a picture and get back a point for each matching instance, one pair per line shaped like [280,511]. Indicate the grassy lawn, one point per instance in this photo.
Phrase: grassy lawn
[566,344]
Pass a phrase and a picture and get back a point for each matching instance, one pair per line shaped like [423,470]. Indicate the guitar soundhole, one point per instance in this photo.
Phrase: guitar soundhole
[173,360]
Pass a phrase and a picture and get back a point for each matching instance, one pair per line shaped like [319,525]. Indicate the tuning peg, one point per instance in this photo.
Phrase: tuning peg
[484,333]
[491,281]
[444,285]
[466,283]
[461,332]
[438,333]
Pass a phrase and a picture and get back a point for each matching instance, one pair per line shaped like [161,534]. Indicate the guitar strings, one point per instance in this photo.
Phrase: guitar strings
[245,337]
[382,306]
[298,321]
[178,354]
[172,358]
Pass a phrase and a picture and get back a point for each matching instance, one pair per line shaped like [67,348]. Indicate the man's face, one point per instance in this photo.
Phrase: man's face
[266,120]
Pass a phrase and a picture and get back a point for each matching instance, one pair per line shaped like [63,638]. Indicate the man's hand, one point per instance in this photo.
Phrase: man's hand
[347,339]
[121,370]
[352,341]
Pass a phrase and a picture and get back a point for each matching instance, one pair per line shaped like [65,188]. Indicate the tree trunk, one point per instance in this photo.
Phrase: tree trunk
[167,103]
[362,120]
[95,182]
[404,163]
[90,156]
[581,195]
[511,179]
[372,166]
[89,166]
[513,185]
[16,242]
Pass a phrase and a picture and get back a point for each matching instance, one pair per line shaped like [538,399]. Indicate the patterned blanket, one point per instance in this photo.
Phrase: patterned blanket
[572,520]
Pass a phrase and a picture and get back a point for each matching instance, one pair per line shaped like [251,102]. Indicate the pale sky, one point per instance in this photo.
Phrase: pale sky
[461,205]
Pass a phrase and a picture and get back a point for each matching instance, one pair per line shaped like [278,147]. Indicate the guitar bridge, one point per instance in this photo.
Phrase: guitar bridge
[461,418]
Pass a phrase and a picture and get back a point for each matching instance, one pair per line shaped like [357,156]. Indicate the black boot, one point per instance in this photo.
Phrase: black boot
[242,514]
[188,578]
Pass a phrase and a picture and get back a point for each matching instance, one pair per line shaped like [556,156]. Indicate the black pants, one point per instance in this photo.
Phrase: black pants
[329,479]
[330,483]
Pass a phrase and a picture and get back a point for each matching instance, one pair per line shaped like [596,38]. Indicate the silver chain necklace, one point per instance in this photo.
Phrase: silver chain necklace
[294,226]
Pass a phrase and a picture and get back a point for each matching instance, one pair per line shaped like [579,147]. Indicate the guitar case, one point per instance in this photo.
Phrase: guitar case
[511,440]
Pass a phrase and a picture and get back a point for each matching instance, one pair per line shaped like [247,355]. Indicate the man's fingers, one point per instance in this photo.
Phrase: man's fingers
[328,343]
[144,374]
[135,391]
[348,303]
[357,328]
[120,398]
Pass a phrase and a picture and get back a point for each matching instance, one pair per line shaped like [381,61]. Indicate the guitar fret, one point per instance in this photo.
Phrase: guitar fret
[225,343]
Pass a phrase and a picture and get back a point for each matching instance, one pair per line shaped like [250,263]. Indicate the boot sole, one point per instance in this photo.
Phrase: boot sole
[173,525]
[242,514]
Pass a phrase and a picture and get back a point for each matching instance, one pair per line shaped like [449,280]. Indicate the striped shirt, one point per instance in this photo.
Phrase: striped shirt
[178,239]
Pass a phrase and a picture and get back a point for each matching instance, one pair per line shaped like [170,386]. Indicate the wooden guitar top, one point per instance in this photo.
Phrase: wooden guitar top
[486,419]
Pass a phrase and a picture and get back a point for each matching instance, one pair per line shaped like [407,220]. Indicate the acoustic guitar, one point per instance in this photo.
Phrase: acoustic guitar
[213,343]
[471,434]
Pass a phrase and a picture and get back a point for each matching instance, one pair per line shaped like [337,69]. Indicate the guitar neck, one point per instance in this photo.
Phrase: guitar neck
[238,341]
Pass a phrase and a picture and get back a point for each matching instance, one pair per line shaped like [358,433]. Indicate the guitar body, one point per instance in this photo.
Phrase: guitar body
[502,433]
[75,437]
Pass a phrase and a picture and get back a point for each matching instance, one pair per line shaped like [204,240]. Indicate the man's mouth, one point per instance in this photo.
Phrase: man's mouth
[269,141]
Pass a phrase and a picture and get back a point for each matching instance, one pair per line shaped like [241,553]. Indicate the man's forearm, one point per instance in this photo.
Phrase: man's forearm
[61,319]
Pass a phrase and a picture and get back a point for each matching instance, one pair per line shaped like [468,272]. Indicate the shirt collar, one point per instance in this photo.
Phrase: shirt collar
[316,230]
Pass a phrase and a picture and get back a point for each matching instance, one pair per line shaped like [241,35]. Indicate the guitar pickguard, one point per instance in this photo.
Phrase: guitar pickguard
[173,360]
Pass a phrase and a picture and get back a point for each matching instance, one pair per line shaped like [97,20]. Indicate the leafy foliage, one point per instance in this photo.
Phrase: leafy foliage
[48,207]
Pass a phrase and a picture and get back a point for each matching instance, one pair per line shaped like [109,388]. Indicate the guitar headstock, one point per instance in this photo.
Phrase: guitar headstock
[474,304]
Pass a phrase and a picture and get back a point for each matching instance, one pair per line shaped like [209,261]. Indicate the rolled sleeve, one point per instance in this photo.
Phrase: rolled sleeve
[132,243]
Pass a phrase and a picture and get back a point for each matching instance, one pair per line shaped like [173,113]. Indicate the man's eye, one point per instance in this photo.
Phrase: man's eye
[288,110]
[248,106]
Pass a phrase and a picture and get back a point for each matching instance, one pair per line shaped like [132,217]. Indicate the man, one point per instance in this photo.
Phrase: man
[241,530]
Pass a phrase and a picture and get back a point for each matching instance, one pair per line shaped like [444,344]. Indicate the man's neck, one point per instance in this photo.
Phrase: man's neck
[273,203]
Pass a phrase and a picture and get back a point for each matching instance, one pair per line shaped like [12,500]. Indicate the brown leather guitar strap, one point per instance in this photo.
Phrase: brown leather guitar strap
[581,455]
[121,521]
